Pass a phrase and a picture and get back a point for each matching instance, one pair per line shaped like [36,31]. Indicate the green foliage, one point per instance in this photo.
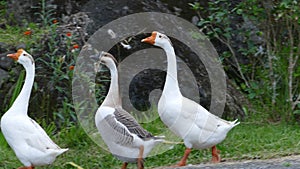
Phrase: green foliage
[50,128]
[270,76]
[3,142]
[102,80]
[73,136]
[282,27]
[2,10]
[46,13]
[55,54]
[14,35]
[54,67]
[17,89]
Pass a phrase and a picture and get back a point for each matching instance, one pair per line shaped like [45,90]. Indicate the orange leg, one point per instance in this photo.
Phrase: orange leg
[182,162]
[124,166]
[30,167]
[140,161]
[215,155]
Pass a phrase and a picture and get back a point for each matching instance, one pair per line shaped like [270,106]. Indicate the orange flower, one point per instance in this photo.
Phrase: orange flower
[54,21]
[28,32]
[75,46]
[71,67]
[69,34]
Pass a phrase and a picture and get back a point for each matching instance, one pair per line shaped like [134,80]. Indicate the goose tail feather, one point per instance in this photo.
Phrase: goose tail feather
[159,138]
[235,123]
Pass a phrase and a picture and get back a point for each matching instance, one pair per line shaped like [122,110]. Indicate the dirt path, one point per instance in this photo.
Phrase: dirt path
[289,162]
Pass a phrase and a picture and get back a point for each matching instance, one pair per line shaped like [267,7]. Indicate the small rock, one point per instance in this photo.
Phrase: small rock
[177,10]
[195,20]
[126,10]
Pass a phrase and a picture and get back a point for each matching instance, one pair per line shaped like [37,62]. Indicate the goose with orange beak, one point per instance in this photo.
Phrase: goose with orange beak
[187,119]
[126,139]
[29,141]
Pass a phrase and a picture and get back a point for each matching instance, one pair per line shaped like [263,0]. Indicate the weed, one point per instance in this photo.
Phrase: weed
[17,89]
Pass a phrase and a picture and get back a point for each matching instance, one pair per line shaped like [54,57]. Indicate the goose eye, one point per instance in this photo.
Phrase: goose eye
[160,36]
[25,54]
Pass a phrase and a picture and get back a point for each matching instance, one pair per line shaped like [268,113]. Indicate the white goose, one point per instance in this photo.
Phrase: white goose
[123,135]
[194,124]
[31,144]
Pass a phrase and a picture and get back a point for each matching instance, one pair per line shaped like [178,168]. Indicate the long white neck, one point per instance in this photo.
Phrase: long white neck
[113,97]
[20,106]
[171,84]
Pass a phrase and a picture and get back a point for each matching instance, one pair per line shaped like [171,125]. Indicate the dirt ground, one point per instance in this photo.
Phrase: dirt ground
[289,162]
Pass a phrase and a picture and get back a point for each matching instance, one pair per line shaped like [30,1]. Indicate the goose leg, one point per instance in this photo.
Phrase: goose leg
[30,167]
[215,155]
[140,162]
[182,162]
[124,166]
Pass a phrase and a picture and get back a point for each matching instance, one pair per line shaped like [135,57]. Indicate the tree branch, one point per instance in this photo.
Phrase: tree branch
[291,62]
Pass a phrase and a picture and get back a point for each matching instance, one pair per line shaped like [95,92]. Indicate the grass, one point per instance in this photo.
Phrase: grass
[13,35]
[246,141]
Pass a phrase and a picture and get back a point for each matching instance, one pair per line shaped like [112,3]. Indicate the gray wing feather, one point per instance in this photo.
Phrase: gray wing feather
[132,125]
[120,134]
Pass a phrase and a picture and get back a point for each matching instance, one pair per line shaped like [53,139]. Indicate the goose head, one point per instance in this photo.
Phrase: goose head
[104,58]
[107,59]
[22,57]
[158,39]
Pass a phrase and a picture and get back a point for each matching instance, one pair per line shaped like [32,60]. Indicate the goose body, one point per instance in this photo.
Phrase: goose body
[31,144]
[194,124]
[123,135]
[189,120]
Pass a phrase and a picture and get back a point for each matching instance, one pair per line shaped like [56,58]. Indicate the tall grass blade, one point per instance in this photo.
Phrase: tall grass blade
[17,89]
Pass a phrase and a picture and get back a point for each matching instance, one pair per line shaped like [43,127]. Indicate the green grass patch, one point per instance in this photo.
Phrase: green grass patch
[15,35]
[246,141]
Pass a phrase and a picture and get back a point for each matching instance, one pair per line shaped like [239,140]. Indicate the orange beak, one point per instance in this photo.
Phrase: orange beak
[150,39]
[15,56]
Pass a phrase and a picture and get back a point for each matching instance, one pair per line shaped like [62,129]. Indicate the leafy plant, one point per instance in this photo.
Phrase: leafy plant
[17,89]
[46,13]
[270,74]
[3,4]
[282,41]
